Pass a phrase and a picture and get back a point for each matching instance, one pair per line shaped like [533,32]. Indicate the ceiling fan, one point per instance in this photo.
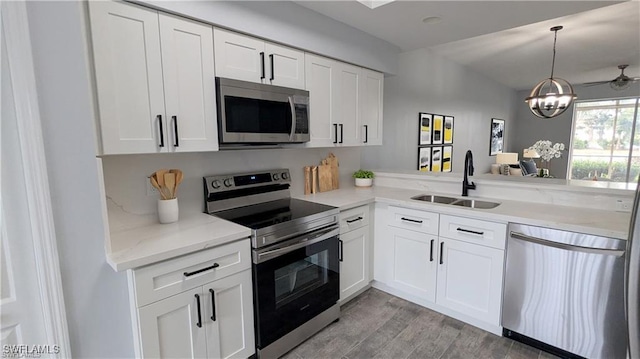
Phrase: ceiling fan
[619,83]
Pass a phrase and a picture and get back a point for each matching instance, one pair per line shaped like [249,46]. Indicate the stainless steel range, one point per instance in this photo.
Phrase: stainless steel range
[296,281]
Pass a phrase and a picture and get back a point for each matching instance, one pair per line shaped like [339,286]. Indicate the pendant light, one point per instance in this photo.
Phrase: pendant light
[552,96]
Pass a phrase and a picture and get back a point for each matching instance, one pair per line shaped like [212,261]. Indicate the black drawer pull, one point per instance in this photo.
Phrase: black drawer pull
[189,274]
[213,304]
[262,76]
[272,70]
[410,220]
[366,133]
[341,133]
[199,324]
[340,258]
[431,252]
[335,131]
[441,252]
[159,117]
[175,131]
[354,220]
[469,231]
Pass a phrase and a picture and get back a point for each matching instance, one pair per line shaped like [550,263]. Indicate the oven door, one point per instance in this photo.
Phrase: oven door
[293,282]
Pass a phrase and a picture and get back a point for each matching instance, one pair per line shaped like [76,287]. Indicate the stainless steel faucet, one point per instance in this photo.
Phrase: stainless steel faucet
[468,171]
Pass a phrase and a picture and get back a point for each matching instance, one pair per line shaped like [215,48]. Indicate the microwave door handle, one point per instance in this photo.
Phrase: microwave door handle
[293,118]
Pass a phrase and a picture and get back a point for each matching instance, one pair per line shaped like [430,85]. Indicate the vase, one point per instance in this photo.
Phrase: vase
[168,210]
[364,182]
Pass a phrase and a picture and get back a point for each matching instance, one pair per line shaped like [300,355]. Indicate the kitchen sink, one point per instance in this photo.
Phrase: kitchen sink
[435,199]
[474,203]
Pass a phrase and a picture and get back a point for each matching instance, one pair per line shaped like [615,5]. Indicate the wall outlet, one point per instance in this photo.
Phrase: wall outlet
[624,205]
[151,191]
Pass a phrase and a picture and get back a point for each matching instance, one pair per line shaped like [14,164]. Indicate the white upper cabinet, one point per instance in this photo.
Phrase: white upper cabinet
[321,78]
[189,84]
[126,48]
[371,115]
[155,80]
[349,95]
[247,58]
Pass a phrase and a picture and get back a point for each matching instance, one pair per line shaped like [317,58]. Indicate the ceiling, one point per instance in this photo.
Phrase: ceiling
[508,41]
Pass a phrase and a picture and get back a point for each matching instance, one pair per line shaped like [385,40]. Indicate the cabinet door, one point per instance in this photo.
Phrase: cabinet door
[169,328]
[239,56]
[348,94]
[126,49]
[354,267]
[286,66]
[321,78]
[189,84]
[414,262]
[470,279]
[372,84]
[231,334]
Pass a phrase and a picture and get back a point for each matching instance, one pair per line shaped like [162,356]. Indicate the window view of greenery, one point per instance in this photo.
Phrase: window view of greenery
[602,144]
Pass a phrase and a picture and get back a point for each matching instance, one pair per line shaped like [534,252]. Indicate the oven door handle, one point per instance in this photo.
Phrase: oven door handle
[265,256]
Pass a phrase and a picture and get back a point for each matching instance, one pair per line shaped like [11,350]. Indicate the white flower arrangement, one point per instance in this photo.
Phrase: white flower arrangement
[547,151]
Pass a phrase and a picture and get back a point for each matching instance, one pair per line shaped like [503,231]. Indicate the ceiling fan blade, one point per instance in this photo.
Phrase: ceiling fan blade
[595,83]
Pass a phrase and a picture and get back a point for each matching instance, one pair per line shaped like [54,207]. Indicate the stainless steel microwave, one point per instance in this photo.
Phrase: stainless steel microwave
[251,113]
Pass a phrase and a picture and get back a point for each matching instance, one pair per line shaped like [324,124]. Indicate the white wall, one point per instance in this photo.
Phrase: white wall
[96,297]
[528,128]
[294,25]
[126,176]
[430,83]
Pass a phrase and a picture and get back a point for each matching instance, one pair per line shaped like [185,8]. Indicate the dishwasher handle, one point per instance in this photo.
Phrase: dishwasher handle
[567,247]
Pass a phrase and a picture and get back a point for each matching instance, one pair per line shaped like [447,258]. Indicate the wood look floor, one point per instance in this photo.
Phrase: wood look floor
[378,325]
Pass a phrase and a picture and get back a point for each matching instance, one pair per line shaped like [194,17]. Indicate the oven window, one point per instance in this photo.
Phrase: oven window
[299,278]
[247,115]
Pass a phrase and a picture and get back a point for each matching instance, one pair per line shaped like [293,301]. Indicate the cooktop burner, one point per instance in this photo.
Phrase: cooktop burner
[257,216]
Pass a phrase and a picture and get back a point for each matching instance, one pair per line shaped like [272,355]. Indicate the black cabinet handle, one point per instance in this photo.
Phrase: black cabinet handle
[354,220]
[335,131]
[262,65]
[340,258]
[213,304]
[469,231]
[431,251]
[199,324]
[341,133]
[189,274]
[441,252]
[175,130]
[410,220]
[366,133]
[271,60]
[159,117]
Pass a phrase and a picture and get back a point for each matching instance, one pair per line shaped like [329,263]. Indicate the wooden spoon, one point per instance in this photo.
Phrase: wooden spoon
[160,178]
[170,183]
[154,183]
[179,177]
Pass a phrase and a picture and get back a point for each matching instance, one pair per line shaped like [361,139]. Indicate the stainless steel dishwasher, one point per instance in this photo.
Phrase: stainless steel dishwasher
[564,292]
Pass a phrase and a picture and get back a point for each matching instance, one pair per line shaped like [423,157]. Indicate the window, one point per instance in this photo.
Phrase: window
[606,140]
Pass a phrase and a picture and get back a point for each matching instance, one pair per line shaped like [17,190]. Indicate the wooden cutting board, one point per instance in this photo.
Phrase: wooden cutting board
[324,178]
[332,160]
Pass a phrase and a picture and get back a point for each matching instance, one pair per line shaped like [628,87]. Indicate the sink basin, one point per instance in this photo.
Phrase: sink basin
[474,203]
[434,199]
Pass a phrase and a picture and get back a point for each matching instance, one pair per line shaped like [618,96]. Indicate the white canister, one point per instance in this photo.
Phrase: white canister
[495,169]
[168,210]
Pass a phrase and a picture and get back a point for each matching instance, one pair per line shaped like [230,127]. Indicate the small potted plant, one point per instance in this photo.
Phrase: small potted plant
[363,178]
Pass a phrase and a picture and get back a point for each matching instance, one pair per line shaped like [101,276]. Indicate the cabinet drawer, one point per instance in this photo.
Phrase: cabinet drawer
[426,222]
[476,231]
[354,218]
[161,280]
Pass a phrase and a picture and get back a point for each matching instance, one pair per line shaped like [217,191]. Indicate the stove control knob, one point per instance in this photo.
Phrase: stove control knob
[227,182]
[285,175]
[215,184]
[276,176]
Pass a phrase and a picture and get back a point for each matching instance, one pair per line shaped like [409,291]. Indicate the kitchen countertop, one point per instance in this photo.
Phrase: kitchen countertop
[583,220]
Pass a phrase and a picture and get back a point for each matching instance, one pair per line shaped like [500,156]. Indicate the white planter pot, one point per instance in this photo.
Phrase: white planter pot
[168,210]
[364,182]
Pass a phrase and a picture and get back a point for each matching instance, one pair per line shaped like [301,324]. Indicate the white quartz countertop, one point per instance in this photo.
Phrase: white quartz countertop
[583,220]
[142,240]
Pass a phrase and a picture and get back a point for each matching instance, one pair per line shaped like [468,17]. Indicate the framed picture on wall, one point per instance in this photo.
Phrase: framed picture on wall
[424,159]
[448,130]
[436,159]
[426,120]
[496,144]
[438,123]
[447,153]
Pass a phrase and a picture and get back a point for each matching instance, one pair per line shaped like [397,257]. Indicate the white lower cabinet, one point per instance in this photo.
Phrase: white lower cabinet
[459,277]
[355,252]
[211,320]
